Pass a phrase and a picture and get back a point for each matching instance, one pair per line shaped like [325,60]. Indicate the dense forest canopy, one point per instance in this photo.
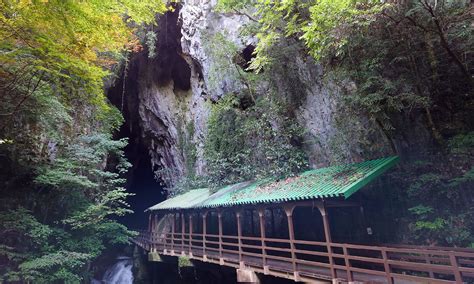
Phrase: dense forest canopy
[58,193]
[397,64]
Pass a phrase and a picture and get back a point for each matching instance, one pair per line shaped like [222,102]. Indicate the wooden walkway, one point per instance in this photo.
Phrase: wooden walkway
[311,261]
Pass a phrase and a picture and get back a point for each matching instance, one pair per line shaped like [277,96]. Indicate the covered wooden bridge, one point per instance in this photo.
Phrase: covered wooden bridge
[294,229]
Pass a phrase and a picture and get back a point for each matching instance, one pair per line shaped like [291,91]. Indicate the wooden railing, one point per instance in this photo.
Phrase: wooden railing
[310,260]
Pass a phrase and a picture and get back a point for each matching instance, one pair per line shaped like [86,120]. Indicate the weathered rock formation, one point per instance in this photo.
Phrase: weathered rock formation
[166,98]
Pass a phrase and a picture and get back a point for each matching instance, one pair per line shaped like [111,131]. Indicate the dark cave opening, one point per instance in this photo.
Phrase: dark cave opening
[245,57]
[142,183]
[140,178]
[169,64]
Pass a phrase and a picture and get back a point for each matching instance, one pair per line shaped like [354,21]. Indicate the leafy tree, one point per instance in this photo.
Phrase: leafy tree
[75,197]
[322,25]
[61,178]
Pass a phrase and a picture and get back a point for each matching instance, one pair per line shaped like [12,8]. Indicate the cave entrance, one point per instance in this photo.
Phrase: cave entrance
[244,58]
[142,183]
[140,178]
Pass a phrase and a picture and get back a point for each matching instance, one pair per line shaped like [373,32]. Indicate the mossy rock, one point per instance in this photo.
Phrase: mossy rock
[154,256]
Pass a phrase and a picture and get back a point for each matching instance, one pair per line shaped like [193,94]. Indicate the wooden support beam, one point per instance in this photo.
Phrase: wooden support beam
[155,222]
[455,265]
[152,232]
[204,232]
[291,232]
[261,217]
[386,266]
[190,234]
[238,216]
[219,219]
[155,232]
[164,233]
[327,235]
[183,229]
[173,230]
[273,223]
[252,223]
[149,222]
[150,236]
[150,229]
[347,263]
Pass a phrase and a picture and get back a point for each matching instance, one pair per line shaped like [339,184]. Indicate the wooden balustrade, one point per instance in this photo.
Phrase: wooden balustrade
[308,260]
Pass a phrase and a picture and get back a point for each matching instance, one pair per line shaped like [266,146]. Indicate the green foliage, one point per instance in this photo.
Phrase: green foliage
[227,6]
[462,144]
[442,196]
[398,61]
[322,25]
[258,142]
[331,21]
[62,174]
[150,40]
[61,49]
[75,196]
[61,262]
[184,261]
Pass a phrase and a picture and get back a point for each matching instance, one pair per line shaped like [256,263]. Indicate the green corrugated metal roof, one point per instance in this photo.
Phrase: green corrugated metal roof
[331,182]
[185,200]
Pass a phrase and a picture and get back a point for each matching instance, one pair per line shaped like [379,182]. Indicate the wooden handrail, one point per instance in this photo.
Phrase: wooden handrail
[427,263]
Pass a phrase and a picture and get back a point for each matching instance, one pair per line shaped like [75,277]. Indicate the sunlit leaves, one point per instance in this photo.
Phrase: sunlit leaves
[322,25]
[56,143]
[70,42]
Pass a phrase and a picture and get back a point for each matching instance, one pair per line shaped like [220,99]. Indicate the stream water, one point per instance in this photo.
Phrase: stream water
[119,273]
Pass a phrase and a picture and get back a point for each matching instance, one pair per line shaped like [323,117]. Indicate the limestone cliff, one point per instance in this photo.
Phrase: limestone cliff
[171,92]
[168,97]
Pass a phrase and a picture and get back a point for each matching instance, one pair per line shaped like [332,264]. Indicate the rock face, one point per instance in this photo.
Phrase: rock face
[172,92]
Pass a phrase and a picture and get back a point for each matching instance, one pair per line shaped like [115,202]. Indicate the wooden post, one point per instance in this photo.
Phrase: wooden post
[455,266]
[190,234]
[149,222]
[327,234]
[204,231]
[347,263]
[238,214]
[150,235]
[386,266]
[155,233]
[261,217]
[291,232]
[428,261]
[183,229]
[165,234]
[363,224]
[219,218]
[273,224]
[252,222]
[173,232]
[147,244]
